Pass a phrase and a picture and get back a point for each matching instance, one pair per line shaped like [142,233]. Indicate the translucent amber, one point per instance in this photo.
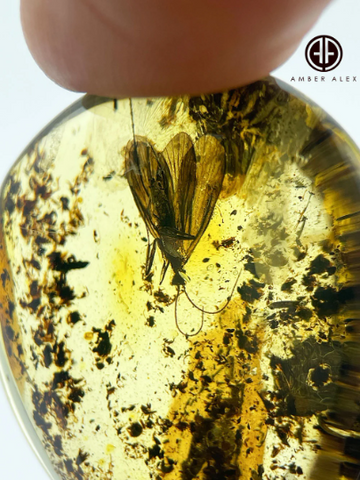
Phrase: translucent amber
[180,289]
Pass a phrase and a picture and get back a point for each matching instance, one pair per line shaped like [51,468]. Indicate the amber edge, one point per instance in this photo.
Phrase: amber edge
[10,387]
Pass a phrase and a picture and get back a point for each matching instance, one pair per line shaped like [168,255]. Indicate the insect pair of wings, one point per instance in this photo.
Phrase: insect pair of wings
[175,191]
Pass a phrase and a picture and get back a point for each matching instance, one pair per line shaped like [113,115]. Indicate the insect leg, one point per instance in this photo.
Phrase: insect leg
[177,322]
[164,270]
[220,309]
[150,254]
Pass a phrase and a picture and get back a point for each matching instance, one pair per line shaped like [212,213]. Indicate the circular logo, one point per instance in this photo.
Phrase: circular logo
[323,53]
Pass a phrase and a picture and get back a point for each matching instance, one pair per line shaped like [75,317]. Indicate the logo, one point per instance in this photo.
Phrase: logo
[323,53]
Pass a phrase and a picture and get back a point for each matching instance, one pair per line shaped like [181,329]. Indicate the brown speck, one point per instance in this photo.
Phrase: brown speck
[135,429]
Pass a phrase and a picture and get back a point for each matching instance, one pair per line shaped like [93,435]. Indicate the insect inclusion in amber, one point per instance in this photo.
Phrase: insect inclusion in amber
[124,224]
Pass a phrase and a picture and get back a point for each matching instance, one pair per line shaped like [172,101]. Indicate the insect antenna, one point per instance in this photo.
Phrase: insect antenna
[132,121]
[131,167]
[177,322]
[220,309]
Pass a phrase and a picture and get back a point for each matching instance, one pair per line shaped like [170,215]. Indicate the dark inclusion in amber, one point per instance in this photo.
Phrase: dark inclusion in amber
[124,222]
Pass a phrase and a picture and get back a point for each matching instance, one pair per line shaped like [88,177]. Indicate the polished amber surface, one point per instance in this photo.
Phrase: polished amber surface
[179,289]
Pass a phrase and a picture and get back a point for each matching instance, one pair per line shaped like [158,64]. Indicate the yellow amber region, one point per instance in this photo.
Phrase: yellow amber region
[179,289]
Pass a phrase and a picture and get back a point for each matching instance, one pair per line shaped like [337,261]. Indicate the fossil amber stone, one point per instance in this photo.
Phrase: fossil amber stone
[180,289]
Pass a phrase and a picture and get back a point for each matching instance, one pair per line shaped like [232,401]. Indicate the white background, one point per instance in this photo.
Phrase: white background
[29,100]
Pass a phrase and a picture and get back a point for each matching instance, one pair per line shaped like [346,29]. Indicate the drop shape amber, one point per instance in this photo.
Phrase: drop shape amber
[122,225]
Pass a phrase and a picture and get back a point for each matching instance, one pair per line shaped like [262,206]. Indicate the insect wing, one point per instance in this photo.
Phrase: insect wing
[138,182]
[149,179]
[180,157]
[210,171]
[176,190]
